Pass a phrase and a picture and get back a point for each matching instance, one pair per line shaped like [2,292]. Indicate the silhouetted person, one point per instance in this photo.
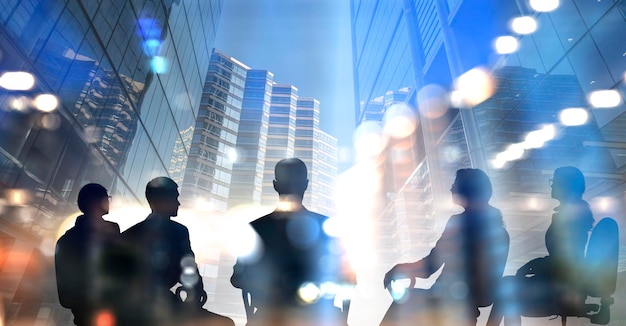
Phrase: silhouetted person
[539,284]
[80,256]
[297,255]
[166,259]
[472,250]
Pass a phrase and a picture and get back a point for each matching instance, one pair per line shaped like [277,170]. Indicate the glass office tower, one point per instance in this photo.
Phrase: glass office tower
[560,65]
[128,78]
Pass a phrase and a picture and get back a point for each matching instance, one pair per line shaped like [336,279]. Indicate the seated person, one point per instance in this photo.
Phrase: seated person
[472,250]
[540,283]
[296,253]
[163,249]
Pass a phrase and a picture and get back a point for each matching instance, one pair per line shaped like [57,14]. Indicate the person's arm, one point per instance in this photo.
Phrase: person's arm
[187,253]
[426,266]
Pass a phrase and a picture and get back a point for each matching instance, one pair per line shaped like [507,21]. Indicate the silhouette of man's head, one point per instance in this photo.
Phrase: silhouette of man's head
[291,177]
[471,186]
[93,199]
[568,183]
[162,195]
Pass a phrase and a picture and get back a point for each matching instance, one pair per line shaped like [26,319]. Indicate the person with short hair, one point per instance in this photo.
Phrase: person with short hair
[79,256]
[471,254]
[296,254]
[164,253]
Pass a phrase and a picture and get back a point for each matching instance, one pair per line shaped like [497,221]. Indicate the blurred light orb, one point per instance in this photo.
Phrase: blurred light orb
[188,261]
[19,103]
[475,86]
[573,117]
[151,47]
[432,101]
[50,121]
[18,197]
[232,155]
[105,318]
[609,98]
[369,140]
[158,65]
[544,5]
[513,152]
[398,291]
[498,163]
[46,102]
[17,81]
[456,99]
[309,293]
[506,44]
[399,121]
[242,241]
[451,154]
[524,25]
[332,227]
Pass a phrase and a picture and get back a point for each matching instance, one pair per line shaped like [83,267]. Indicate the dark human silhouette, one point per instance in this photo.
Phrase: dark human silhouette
[472,250]
[80,256]
[538,285]
[296,255]
[163,250]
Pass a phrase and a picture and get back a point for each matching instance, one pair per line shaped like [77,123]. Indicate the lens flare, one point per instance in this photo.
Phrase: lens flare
[544,5]
[159,65]
[475,86]
[46,102]
[309,293]
[369,140]
[609,98]
[573,117]
[399,121]
[506,44]
[524,25]
[432,101]
[17,81]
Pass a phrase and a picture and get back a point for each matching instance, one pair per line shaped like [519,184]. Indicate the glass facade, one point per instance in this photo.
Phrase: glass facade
[128,79]
[557,67]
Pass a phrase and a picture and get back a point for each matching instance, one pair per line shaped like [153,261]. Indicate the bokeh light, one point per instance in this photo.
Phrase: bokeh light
[50,121]
[524,25]
[18,197]
[513,152]
[475,86]
[309,293]
[232,155]
[17,81]
[399,121]
[20,103]
[573,117]
[544,5]
[432,101]
[105,318]
[498,162]
[506,44]
[159,65]
[537,138]
[46,102]
[151,47]
[609,98]
[369,140]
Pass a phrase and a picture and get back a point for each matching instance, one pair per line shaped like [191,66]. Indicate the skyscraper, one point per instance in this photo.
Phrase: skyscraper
[428,45]
[127,76]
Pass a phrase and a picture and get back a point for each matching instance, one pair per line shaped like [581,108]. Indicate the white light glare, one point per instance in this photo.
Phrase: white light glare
[399,121]
[159,65]
[573,117]
[536,139]
[506,44]
[544,5]
[17,81]
[474,87]
[524,25]
[609,98]
[512,153]
[309,293]
[232,155]
[46,102]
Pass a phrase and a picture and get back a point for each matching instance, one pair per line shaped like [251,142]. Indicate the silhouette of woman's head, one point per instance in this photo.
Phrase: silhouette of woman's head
[568,183]
[471,186]
[290,177]
[93,197]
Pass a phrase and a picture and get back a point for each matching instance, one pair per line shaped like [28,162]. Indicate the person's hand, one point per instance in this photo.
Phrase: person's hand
[397,272]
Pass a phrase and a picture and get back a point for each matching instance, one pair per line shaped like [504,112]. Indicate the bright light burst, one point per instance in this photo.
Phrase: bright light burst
[475,86]
[524,25]
[573,117]
[506,44]
[17,81]
[609,98]
[399,121]
[46,102]
[544,5]
[159,65]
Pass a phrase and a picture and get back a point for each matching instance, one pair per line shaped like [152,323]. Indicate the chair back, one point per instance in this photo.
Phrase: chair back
[602,258]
